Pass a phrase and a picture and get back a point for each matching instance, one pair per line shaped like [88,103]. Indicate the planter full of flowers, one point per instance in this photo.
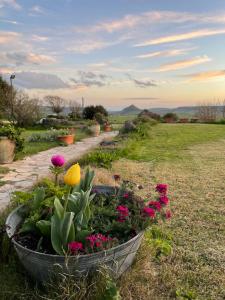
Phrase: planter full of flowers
[74,227]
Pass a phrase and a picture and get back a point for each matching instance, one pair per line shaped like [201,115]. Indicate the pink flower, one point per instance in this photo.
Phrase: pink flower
[123,210]
[163,200]
[157,205]
[161,188]
[126,195]
[150,212]
[75,246]
[97,240]
[58,160]
[168,214]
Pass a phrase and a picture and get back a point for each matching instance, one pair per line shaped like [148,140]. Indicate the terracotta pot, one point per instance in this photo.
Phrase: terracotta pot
[7,150]
[66,139]
[95,130]
[107,128]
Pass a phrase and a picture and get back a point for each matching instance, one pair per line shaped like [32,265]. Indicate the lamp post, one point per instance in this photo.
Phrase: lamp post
[11,79]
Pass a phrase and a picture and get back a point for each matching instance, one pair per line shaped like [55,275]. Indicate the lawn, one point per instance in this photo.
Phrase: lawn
[190,159]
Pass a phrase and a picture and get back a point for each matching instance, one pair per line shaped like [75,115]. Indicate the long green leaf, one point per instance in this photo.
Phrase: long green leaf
[45,227]
[58,208]
[56,235]
[66,225]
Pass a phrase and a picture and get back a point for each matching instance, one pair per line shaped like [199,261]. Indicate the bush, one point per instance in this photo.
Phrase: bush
[89,112]
[100,118]
[13,134]
[170,117]
[146,113]
[100,158]
[48,136]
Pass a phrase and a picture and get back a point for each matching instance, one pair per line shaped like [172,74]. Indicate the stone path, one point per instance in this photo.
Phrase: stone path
[24,173]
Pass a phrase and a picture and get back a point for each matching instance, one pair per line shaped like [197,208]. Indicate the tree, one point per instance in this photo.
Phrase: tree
[90,111]
[207,112]
[75,110]
[7,96]
[26,109]
[57,103]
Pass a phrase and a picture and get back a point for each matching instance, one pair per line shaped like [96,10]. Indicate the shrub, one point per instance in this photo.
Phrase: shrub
[170,117]
[13,134]
[100,158]
[100,118]
[48,136]
[89,112]
[146,113]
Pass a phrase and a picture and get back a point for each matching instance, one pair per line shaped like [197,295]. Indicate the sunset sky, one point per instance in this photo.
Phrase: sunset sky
[163,53]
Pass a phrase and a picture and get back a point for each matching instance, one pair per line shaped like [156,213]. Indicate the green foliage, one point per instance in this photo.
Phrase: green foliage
[171,116]
[182,294]
[89,112]
[62,228]
[86,183]
[100,118]
[48,136]
[13,134]
[159,241]
[100,158]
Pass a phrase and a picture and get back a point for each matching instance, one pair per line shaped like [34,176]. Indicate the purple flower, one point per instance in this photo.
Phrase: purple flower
[58,160]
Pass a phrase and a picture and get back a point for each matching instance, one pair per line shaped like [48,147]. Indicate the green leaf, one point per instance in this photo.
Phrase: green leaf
[39,196]
[56,235]
[58,208]
[66,230]
[45,227]
[81,235]
[28,227]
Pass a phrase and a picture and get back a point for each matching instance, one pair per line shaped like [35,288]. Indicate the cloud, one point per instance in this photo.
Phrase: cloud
[182,37]
[181,64]
[86,46]
[144,83]
[88,79]
[165,53]
[10,3]
[38,38]
[8,37]
[10,22]
[4,69]
[21,58]
[37,9]
[205,76]
[151,17]
[33,80]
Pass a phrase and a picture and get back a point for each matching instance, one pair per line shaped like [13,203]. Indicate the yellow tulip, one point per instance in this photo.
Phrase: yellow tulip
[72,176]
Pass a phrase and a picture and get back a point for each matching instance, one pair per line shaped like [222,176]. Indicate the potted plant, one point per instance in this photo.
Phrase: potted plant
[94,127]
[10,142]
[66,136]
[75,227]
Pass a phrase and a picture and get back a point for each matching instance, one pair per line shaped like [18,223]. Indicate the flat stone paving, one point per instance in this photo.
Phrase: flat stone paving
[24,173]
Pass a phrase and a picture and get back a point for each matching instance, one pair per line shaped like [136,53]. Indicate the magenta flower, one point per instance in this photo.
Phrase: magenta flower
[161,188]
[58,160]
[126,195]
[156,204]
[148,211]
[163,200]
[75,246]
[168,214]
[97,240]
[123,210]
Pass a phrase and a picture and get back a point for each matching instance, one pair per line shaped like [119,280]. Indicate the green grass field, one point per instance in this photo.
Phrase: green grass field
[190,159]
[169,141]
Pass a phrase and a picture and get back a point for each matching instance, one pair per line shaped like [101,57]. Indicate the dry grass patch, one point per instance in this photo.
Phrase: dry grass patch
[196,268]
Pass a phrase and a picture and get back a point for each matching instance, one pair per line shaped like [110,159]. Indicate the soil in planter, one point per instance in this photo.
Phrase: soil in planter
[32,242]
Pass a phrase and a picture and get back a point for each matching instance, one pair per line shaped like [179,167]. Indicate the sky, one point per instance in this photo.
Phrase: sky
[164,53]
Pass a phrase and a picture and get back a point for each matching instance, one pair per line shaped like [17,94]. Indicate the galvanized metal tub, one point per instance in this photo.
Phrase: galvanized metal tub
[43,266]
